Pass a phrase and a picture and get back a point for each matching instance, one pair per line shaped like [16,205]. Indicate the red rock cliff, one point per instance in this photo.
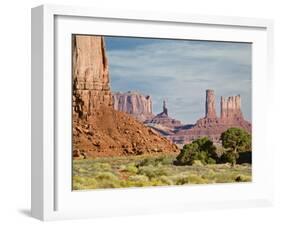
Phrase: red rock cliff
[231,108]
[211,125]
[98,129]
[133,103]
[90,75]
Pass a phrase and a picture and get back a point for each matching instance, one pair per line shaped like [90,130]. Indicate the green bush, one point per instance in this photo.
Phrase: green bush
[201,149]
[230,157]
[236,140]
[211,161]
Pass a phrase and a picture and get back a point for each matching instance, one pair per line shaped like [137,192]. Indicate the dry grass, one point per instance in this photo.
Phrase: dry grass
[139,171]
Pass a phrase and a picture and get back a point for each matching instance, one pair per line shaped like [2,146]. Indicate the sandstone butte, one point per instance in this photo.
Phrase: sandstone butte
[137,105]
[98,129]
[210,125]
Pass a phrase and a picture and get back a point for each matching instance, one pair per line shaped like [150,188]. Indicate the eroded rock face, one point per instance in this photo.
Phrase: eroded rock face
[134,103]
[211,125]
[231,108]
[98,129]
[210,111]
[90,75]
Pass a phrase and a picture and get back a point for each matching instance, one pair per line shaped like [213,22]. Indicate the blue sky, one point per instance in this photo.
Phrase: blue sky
[180,71]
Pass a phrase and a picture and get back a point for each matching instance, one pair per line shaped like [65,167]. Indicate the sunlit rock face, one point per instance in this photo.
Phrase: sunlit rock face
[134,103]
[98,129]
[211,125]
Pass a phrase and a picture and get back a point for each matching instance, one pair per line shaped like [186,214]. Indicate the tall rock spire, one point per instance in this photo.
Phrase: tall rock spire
[210,109]
[165,109]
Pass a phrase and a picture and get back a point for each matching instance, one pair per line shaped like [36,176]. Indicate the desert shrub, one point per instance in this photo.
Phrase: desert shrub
[138,178]
[201,149]
[146,162]
[107,180]
[131,168]
[106,176]
[153,172]
[197,163]
[187,154]
[166,180]
[164,160]
[100,166]
[242,178]
[189,179]
[151,161]
[82,170]
[230,157]
[80,183]
[211,161]
[122,167]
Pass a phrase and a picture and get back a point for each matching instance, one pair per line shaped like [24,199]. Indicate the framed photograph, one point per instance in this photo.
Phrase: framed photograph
[137,112]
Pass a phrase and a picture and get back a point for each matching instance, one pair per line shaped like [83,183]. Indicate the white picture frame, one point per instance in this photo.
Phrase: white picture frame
[52,197]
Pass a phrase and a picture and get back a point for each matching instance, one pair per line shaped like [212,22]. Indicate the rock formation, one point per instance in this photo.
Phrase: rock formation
[98,129]
[210,108]
[90,75]
[135,104]
[211,125]
[231,108]
[163,119]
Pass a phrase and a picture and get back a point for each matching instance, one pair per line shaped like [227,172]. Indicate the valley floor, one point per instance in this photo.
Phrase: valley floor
[139,171]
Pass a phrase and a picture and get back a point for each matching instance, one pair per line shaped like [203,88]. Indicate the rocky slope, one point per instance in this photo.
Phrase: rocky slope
[133,103]
[98,129]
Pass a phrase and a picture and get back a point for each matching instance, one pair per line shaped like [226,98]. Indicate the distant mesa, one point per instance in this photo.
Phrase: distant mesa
[210,125]
[137,105]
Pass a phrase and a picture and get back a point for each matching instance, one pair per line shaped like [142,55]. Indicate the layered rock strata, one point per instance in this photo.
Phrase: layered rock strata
[135,104]
[98,129]
[231,108]
[90,75]
[211,125]
[210,104]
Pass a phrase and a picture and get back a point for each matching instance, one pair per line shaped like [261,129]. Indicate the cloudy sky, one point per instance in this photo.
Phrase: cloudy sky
[180,71]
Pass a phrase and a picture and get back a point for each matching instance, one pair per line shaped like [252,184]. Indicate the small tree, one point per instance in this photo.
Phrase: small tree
[201,149]
[187,154]
[235,140]
[206,146]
